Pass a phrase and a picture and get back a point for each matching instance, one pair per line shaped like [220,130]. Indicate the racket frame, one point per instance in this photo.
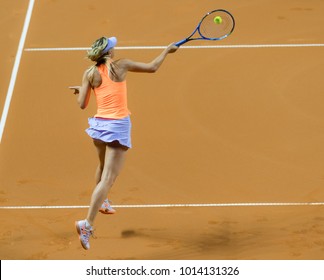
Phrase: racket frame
[181,42]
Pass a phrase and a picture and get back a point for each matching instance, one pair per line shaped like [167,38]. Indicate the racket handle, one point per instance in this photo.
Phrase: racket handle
[178,44]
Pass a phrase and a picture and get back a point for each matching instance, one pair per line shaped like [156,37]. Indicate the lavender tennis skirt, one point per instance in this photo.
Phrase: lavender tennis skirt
[109,130]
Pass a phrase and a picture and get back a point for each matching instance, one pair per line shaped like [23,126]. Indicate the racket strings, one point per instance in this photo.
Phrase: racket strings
[211,29]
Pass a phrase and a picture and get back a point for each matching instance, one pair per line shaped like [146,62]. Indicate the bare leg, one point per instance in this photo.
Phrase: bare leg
[113,163]
[101,149]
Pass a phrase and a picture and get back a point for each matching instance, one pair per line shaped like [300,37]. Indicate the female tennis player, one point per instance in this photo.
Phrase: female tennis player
[110,128]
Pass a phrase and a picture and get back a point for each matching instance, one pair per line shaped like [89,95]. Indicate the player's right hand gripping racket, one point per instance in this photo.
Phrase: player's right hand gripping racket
[215,25]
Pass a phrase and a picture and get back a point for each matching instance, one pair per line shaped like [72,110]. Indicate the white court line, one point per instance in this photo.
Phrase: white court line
[22,40]
[256,204]
[16,67]
[183,47]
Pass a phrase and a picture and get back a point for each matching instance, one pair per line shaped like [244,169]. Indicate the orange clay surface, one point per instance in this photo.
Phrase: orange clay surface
[225,125]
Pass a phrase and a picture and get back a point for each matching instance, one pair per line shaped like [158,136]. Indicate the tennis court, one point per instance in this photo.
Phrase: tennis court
[228,156]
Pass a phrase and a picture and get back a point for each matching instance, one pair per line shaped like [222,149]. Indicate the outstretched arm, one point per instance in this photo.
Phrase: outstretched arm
[151,67]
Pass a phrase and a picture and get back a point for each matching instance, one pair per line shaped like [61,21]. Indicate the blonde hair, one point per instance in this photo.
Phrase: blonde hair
[95,54]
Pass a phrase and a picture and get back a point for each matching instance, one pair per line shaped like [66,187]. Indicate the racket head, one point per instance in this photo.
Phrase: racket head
[209,29]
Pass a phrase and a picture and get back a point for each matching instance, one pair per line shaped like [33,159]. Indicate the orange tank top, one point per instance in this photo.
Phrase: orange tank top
[111,97]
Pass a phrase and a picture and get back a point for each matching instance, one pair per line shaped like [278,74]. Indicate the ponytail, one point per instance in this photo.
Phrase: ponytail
[96,54]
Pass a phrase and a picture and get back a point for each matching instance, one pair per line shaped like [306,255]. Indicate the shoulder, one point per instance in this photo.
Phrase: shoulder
[122,63]
[118,69]
[92,76]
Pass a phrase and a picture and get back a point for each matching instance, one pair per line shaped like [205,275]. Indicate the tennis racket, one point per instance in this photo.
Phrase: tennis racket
[215,25]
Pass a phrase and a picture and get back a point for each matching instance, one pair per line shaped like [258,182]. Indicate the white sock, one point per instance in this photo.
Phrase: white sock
[87,224]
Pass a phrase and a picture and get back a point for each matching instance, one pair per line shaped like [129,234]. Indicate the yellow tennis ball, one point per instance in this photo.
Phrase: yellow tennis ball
[218,20]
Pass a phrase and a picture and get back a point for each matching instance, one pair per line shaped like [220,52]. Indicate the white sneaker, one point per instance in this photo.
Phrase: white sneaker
[84,233]
[106,208]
